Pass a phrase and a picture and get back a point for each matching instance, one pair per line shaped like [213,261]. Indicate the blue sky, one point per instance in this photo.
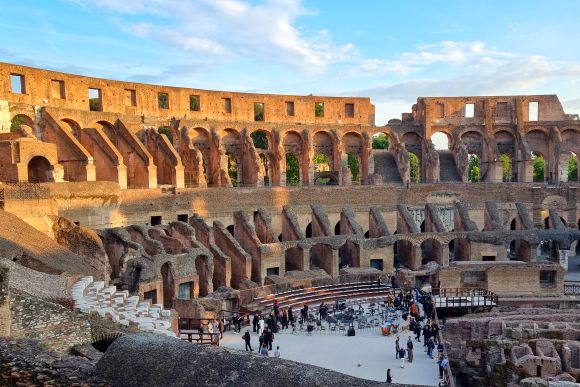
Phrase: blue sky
[392,51]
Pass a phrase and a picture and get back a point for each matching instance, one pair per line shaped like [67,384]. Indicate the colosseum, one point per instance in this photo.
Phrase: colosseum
[200,202]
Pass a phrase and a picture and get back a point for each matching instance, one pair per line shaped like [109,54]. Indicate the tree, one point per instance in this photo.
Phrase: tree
[260,139]
[166,131]
[573,168]
[473,168]
[381,141]
[414,173]
[539,164]
[16,122]
[353,164]
[506,166]
[233,169]
[319,109]
[292,169]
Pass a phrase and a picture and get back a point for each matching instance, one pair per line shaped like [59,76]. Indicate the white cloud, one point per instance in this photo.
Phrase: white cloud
[230,28]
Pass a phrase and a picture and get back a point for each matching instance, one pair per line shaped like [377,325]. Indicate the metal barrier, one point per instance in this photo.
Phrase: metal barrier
[572,288]
[464,298]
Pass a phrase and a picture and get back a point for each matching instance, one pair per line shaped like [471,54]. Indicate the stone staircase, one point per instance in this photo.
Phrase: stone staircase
[386,166]
[92,296]
[447,167]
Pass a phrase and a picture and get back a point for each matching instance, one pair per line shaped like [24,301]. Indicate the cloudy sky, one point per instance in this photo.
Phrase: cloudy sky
[392,51]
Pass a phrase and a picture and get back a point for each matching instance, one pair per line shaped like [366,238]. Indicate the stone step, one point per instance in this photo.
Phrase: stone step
[386,166]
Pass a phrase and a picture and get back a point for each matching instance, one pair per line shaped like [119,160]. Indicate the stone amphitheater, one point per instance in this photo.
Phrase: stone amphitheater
[131,208]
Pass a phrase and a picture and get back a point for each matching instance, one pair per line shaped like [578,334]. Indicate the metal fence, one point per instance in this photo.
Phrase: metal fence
[22,190]
[572,288]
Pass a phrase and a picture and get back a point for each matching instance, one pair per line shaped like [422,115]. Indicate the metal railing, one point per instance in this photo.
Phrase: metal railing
[463,298]
[572,288]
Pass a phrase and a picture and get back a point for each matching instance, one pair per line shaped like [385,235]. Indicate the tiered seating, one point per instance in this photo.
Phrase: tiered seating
[93,296]
[318,294]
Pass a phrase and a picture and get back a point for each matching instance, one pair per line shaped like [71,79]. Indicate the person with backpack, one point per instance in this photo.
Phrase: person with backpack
[247,338]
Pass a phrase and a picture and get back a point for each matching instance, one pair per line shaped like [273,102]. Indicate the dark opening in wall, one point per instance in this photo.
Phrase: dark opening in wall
[377,264]
[273,271]
[151,295]
[104,344]
[182,218]
[488,258]
[78,223]
[95,100]
[163,100]
[156,220]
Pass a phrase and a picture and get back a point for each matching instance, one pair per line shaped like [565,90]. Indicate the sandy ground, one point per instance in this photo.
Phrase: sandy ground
[367,355]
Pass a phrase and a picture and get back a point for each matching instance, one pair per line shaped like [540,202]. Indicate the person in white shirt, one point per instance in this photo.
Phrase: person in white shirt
[261,324]
[277,352]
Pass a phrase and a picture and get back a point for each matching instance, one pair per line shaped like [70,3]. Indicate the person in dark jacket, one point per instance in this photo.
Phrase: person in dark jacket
[389,376]
[247,338]
[255,322]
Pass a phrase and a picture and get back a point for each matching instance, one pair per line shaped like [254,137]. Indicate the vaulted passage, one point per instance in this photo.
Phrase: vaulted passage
[38,169]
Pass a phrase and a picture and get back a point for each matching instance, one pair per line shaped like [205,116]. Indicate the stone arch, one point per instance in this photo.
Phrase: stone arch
[539,166]
[262,139]
[168,281]
[353,147]
[74,127]
[431,250]
[474,142]
[19,120]
[200,139]
[505,142]
[202,267]
[349,255]
[459,249]
[308,230]
[413,143]
[231,229]
[294,258]
[377,140]
[231,143]
[442,140]
[39,169]
[324,144]
[538,141]
[293,147]
[321,257]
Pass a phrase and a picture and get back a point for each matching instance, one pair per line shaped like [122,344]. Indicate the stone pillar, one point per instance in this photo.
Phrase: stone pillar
[563,258]
[306,258]
[151,174]
[5,314]
[445,255]
[335,261]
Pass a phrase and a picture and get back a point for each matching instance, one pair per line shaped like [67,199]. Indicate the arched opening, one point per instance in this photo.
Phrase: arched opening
[75,128]
[135,278]
[422,226]
[308,231]
[539,167]
[103,344]
[414,168]
[292,170]
[352,143]
[547,250]
[337,228]
[473,169]
[520,251]
[21,120]
[567,167]
[354,166]
[323,175]
[459,249]
[233,169]
[368,234]
[381,141]
[199,139]
[294,258]
[506,164]
[404,252]
[321,257]
[38,170]
[266,163]
[513,224]
[431,250]
[168,285]
[202,269]
[349,255]
[230,229]
[260,139]
[441,141]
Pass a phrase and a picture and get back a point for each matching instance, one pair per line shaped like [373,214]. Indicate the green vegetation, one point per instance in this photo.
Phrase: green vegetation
[16,122]
[381,141]
[506,167]
[260,139]
[95,104]
[258,111]
[573,168]
[194,103]
[414,172]
[473,168]
[539,164]
[353,164]
[292,169]
[319,109]
[233,169]
[166,131]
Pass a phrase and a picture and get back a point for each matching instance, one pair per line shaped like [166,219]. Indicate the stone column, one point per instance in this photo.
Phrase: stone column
[563,258]
[445,255]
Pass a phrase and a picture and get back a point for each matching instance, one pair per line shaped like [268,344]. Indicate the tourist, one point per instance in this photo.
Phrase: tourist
[261,341]
[393,282]
[430,347]
[426,334]
[284,320]
[379,284]
[255,323]
[264,351]
[397,347]
[276,310]
[443,363]
[261,324]
[417,331]
[235,322]
[389,376]
[410,350]
[247,338]
[304,313]
[291,315]
[221,328]
[277,353]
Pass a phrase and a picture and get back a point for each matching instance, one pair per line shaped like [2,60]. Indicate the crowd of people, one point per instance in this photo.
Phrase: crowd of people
[416,309]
